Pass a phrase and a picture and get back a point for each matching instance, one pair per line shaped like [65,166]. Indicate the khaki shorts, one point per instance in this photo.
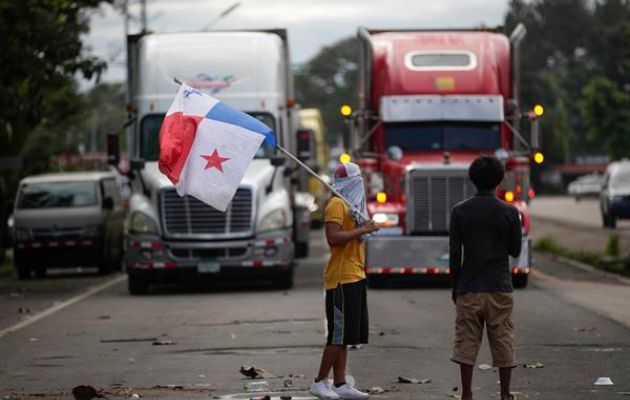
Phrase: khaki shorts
[495,311]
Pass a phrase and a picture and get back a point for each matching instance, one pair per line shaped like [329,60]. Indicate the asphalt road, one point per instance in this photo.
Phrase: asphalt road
[106,339]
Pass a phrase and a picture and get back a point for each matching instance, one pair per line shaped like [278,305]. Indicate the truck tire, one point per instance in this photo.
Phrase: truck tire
[105,265]
[377,282]
[610,221]
[301,250]
[137,285]
[40,272]
[23,270]
[520,281]
[284,280]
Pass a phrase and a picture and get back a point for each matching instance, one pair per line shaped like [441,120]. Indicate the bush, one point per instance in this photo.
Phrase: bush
[612,247]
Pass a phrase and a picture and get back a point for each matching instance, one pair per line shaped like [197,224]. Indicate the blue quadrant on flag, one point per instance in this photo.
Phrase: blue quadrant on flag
[224,113]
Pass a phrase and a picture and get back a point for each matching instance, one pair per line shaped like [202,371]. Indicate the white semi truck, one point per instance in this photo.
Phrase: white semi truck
[171,238]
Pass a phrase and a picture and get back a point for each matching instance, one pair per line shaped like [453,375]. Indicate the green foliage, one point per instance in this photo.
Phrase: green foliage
[568,44]
[606,113]
[41,53]
[612,247]
[329,80]
[40,108]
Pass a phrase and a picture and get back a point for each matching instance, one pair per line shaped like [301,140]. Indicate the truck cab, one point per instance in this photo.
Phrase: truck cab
[431,101]
[171,237]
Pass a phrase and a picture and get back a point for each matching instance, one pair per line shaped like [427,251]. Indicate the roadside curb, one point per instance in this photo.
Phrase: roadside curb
[589,268]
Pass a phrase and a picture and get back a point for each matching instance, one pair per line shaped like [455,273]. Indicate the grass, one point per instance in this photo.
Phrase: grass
[607,260]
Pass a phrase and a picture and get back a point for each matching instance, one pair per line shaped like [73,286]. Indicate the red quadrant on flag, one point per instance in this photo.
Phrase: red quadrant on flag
[206,146]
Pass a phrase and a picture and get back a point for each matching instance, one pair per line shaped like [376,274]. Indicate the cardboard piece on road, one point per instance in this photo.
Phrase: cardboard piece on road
[603,380]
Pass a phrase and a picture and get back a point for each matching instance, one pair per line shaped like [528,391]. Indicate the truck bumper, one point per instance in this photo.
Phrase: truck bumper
[423,255]
[163,260]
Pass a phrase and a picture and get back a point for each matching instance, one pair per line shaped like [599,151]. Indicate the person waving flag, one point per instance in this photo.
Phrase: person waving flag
[207,145]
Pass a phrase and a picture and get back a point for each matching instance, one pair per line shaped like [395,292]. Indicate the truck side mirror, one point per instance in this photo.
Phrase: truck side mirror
[136,164]
[277,161]
[535,134]
[305,139]
[113,149]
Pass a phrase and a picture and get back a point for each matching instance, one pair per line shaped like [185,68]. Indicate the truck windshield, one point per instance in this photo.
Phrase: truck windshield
[57,195]
[621,180]
[417,136]
[150,132]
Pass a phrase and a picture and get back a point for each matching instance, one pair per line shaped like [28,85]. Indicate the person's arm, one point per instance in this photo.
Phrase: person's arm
[516,233]
[337,237]
[455,252]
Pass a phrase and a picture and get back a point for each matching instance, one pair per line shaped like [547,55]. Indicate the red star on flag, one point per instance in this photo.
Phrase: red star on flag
[215,161]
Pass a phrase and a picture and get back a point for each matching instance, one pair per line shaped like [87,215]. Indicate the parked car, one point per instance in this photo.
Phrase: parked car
[615,195]
[586,186]
[67,220]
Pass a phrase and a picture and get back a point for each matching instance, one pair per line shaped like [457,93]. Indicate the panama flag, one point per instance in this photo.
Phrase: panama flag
[206,146]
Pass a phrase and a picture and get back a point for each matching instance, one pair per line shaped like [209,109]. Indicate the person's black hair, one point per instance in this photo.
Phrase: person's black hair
[486,172]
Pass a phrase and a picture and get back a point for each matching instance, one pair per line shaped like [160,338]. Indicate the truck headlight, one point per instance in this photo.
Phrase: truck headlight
[23,234]
[276,219]
[386,219]
[142,223]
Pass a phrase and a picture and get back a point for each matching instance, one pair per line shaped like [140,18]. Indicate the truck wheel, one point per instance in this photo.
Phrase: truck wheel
[137,285]
[520,280]
[609,221]
[377,282]
[40,272]
[105,265]
[284,280]
[23,269]
[301,250]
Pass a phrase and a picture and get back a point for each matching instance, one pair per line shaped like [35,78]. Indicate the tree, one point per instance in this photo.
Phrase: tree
[41,54]
[606,113]
[328,81]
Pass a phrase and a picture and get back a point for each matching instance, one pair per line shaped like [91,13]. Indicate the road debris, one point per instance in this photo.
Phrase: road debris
[376,390]
[135,396]
[356,347]
[584,329]
[171,387]
[485,367]
[288,382]
[623,393]
[603,381]
[129,340]
[253,372]
[256,386]
[163,342]
[297,376]
[104,317]
[33,339]
[404,379]
[85,392]
[534,366]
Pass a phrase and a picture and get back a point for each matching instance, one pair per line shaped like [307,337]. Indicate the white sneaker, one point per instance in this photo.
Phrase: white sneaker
[348,392]
[323,390]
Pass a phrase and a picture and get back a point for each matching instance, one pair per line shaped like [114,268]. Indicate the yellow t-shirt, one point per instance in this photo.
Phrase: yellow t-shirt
[346,263]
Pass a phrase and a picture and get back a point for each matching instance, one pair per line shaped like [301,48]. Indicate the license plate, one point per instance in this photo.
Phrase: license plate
[208,267]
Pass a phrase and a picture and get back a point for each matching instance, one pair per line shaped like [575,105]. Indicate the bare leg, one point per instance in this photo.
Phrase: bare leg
[466,372]
[339,368]
[329,357]
[505,374]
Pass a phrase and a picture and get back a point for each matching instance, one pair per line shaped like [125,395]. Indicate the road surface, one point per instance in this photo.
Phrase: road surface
[575,225]
[106,339]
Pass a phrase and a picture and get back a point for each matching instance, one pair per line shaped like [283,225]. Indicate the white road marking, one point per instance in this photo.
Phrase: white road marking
[60,306]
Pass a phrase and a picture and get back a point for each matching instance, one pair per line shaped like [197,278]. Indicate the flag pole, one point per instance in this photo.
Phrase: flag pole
[323,182]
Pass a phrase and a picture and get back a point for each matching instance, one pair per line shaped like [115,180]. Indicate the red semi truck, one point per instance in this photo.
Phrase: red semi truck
[431,101]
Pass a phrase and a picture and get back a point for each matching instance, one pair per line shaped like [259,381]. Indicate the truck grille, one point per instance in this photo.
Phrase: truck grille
[431,193]
[187,217]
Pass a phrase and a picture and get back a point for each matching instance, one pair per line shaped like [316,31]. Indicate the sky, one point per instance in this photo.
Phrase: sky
[312,24]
